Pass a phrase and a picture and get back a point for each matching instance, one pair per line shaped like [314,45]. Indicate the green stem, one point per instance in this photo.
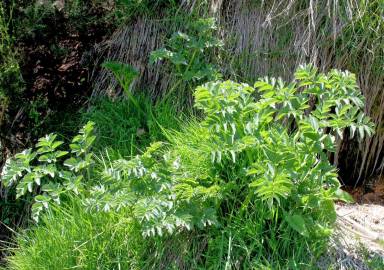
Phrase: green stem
[179,81]
[171,91]
[130,96]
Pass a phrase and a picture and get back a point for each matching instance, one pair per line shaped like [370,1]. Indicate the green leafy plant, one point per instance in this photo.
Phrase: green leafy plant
[187,53]
[266,156]
[44,174]
[161,195]
[284,138]
[124,74]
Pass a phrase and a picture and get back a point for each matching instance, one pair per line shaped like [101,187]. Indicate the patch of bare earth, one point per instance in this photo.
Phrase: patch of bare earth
[359,234]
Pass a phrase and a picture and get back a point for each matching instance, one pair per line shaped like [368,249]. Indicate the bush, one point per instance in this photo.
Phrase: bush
[248,187]
[42,173]
[249,162]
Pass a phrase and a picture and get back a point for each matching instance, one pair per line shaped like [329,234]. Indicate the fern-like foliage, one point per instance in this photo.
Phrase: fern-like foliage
[270,152]
[186,55]
[162,195]
[42,172]
[285,136]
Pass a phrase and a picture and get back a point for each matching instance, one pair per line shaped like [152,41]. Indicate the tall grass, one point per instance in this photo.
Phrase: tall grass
[71,237]
[123,129]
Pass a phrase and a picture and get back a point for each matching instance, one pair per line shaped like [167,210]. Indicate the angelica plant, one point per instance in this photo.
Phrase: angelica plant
[46,172]
[266,155]
[186,55]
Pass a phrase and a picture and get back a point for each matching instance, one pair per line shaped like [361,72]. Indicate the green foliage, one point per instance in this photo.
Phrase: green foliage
[161,195]
[250,186]
[128,125]
[72,237]
[125,131]
[187,54]
[288,167]
[125,10]
[267,156]
[124,74]
[11,84]
[247,241]
[42,173]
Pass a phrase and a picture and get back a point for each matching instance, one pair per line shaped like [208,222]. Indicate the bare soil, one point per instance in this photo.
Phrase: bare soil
[358,242]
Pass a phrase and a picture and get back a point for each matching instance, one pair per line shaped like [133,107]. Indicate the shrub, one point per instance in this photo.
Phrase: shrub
[187,55]
[250,186]
[42,172]
[265,160]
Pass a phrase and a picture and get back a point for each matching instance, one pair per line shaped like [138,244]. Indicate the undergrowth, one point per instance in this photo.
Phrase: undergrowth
[11,83]
[71,237]
[47,172]
[247,187]
[124,130]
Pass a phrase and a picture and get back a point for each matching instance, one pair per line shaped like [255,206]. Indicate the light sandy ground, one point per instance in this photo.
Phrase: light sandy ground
[359,238]
[365,221]
[358,241]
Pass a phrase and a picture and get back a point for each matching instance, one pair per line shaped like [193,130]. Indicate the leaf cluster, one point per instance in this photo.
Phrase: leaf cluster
[270,152]
[161,195]
[45,174]
[187,53]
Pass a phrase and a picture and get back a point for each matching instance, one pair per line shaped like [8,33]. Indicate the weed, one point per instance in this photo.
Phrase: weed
[249,164]
[41,172]
[187,54]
